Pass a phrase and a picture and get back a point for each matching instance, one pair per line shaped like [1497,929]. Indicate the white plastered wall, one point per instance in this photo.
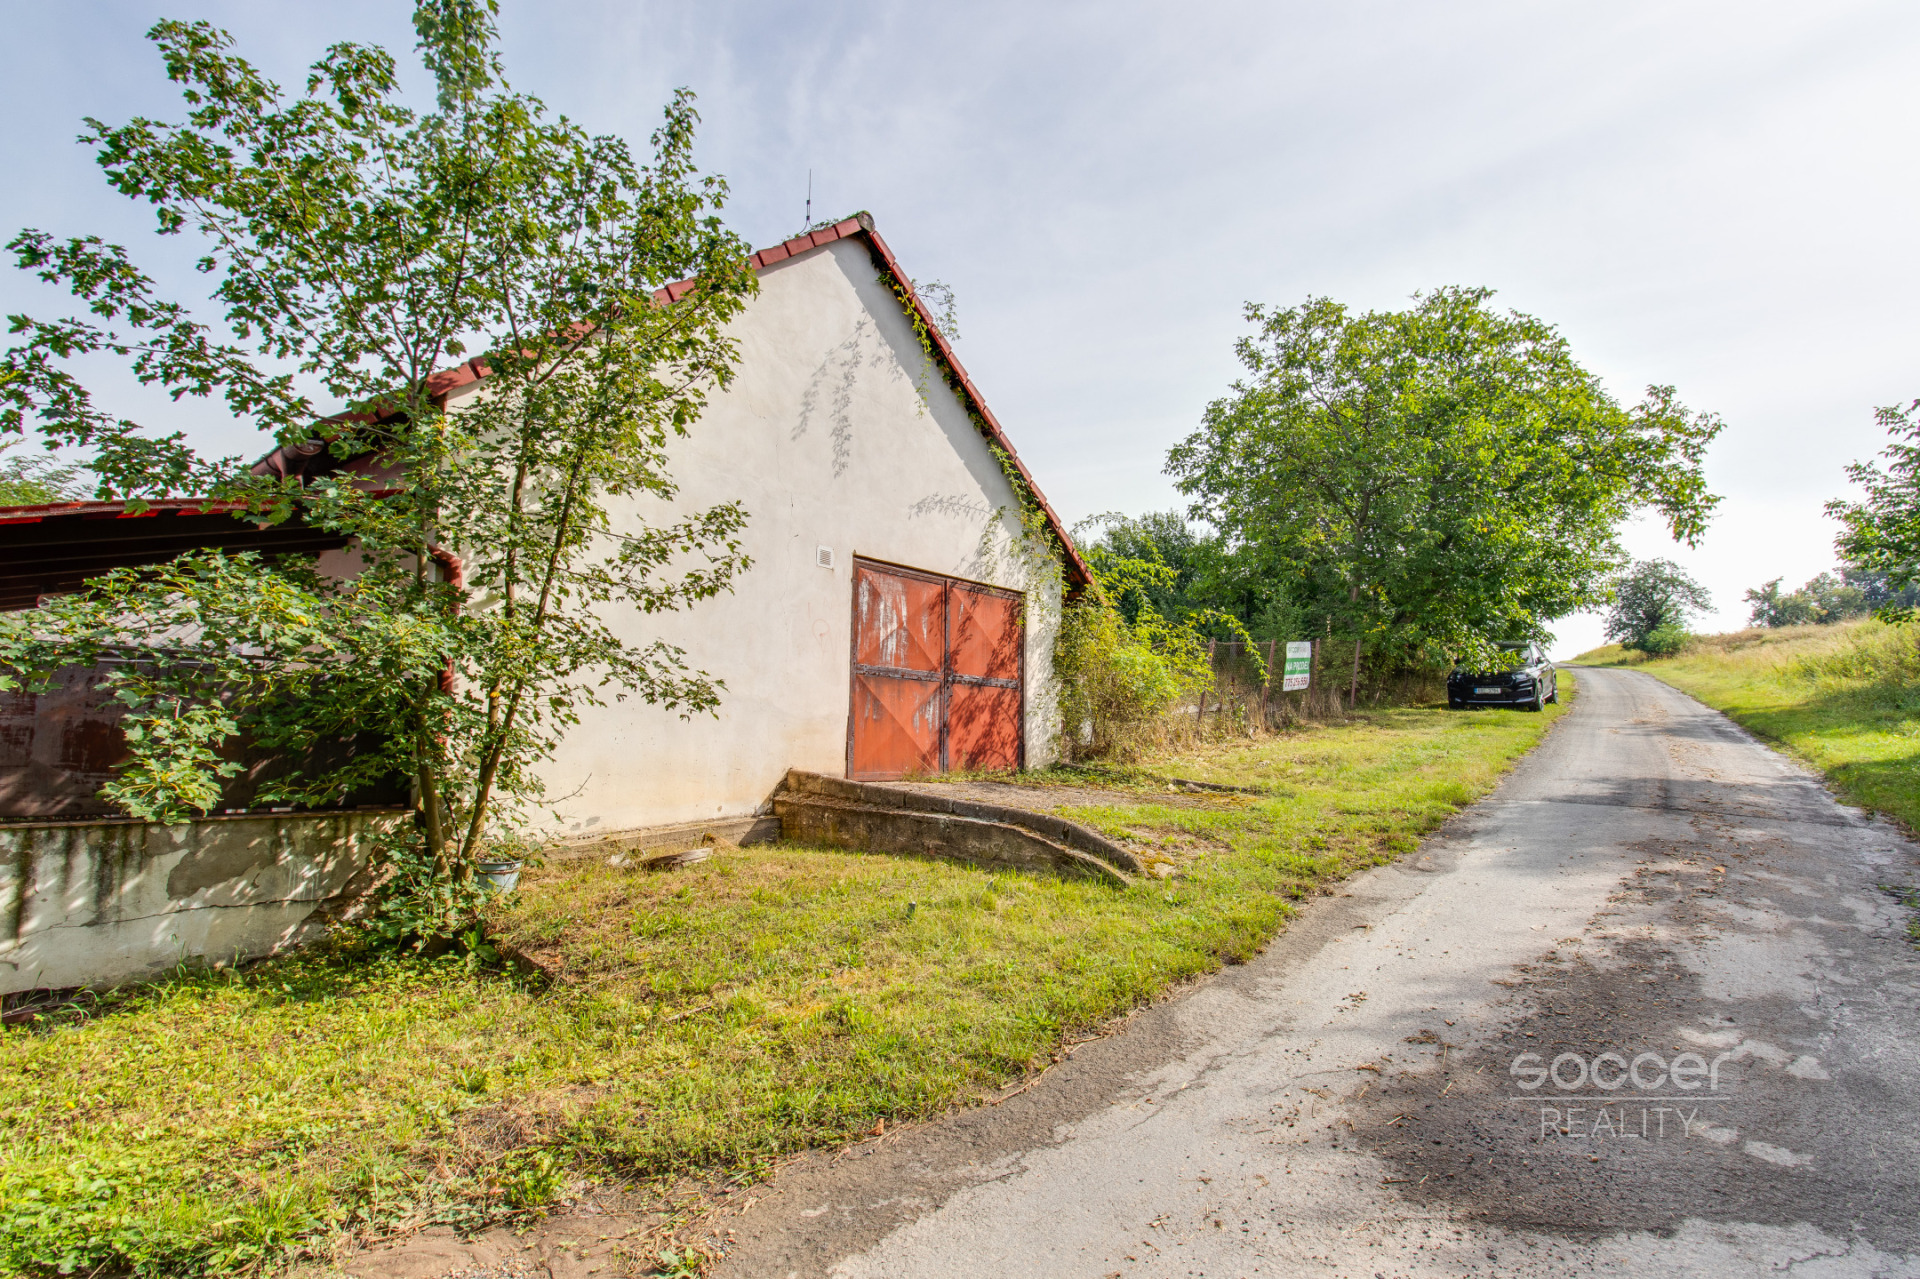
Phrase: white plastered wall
[825,437]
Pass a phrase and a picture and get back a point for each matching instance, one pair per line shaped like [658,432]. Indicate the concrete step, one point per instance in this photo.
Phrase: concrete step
[870,817]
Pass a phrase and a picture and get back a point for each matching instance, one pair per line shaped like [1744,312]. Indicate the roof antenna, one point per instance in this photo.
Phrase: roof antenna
[808,224]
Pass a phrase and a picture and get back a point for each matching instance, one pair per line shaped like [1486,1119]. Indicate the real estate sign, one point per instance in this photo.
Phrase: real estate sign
[1299,667]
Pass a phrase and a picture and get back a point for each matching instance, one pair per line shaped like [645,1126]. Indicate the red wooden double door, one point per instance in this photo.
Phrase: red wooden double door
[937,669]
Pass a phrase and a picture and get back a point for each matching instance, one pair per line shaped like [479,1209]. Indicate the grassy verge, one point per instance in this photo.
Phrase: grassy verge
[1845,698]
[704,1021]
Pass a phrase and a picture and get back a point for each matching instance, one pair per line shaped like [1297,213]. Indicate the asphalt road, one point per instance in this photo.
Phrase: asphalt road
[1680,924]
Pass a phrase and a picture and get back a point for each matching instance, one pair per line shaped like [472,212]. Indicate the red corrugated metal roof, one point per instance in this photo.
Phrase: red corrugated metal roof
[54,548]
[116,510]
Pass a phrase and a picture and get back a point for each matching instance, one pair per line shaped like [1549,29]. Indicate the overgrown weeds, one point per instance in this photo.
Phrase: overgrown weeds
[1910,899]
[1133,704]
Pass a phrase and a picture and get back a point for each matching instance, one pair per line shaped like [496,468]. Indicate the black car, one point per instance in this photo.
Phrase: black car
[1527,682]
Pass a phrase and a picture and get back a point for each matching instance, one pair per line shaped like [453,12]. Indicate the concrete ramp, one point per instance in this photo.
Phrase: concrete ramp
[874,817]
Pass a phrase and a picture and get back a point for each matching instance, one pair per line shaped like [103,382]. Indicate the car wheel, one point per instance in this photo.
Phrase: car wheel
[1539,702]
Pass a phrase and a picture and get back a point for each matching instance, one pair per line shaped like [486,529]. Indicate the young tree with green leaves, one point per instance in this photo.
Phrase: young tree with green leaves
[1880,534]
[357,245]
[1435,479]
[1163,538]
[27,480]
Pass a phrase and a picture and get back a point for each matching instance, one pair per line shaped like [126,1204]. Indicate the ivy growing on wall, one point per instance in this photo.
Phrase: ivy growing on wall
[1036,528]
[1113,679]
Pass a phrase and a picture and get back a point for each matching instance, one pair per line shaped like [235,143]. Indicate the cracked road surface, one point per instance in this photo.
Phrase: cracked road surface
[1647,1009]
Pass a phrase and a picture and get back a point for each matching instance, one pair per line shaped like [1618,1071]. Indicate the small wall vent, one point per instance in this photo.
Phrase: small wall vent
[823,556]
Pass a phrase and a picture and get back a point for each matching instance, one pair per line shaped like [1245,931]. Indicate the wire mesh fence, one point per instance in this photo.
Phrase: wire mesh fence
[1248,692]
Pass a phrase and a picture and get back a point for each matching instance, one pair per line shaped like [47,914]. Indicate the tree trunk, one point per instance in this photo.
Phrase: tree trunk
[430,809]
[1353,693]
[490,759]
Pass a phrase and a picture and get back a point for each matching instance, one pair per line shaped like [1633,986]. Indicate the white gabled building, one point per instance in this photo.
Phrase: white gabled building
[895,619]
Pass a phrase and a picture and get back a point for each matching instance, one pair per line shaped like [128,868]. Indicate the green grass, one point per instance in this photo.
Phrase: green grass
[1845,698]
[697,1023]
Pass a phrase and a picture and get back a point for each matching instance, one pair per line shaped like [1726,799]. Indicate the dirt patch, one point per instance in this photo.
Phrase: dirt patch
[605,1232]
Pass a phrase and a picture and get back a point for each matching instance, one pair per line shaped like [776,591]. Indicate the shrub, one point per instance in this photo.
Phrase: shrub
[1871,656]
[1115,685]
[1121,664]
[1663,641]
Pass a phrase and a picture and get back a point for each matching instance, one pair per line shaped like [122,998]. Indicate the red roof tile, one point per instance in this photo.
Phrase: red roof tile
[115,510]
[859,226]
[447,380]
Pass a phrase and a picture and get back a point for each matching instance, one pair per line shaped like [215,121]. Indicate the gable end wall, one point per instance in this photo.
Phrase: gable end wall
[825,439]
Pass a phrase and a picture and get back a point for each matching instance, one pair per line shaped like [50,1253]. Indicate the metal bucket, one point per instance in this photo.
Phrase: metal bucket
[498,877]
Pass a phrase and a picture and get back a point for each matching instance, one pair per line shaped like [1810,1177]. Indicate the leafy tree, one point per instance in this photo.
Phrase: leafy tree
[1161,538]
[1881,533]
[1134,646]
[1835,599]
[26,480]
[1654,597]
[1770,607]
[357,245]
[1434,479]
[1209,576]
[1825,599]
[1877,592]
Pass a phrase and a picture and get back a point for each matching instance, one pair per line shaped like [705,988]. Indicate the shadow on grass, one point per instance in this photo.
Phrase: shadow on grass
[338,969]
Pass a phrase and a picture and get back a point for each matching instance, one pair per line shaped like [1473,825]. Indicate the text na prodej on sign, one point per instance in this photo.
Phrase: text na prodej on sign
[1298,670]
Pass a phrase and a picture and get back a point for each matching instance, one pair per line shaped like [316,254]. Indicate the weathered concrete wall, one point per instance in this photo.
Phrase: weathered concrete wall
[1057,830]
[755,828]
[826,440]
[99,903]
[994,845]
[873,818]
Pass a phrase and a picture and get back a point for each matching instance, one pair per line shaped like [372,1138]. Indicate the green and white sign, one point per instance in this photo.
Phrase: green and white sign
[1299,668]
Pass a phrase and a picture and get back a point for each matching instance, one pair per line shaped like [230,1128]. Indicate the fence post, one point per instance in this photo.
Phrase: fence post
[1213,672]
[1313,675]
[1266,693]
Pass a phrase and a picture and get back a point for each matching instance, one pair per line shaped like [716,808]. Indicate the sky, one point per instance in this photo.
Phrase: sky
[1716,196]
